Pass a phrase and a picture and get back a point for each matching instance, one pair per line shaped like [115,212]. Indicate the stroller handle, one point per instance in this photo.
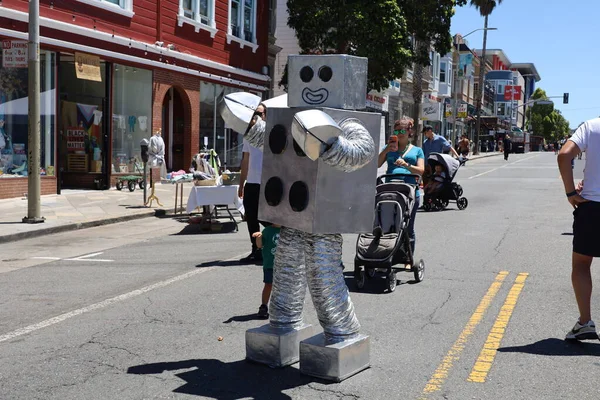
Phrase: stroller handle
[400,177]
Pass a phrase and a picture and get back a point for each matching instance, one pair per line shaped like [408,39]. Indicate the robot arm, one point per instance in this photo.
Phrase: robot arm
[347,146]
[256,134]
[353,149]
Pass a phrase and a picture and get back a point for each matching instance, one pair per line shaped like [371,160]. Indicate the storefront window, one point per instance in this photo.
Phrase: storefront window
[132,117]
[226,142]
[14,108]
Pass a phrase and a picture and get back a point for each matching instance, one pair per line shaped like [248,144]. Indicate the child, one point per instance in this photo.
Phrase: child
[437,181]
[267,241]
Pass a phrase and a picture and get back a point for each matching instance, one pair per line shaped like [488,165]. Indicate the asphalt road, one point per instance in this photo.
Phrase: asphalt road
[136,310]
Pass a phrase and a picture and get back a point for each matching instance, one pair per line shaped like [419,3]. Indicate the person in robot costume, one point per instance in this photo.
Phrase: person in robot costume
[315,260]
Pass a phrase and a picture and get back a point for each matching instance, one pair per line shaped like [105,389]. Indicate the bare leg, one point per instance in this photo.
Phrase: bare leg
[328,288]
[581,278]
[266,293]
[289,280]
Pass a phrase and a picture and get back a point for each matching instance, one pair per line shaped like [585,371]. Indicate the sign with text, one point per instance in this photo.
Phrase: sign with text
[75,139]
[448,112]
[465,65]
[14,54]
[462,111]
[87,67]
[512,92]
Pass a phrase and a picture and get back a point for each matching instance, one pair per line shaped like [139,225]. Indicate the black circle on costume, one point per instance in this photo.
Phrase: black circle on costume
[278,139]
[307,74]
[325,73]
[274,191]
[299,196]
[298,150]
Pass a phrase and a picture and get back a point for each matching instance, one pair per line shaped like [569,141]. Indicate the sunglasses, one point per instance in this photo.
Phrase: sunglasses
[401,131]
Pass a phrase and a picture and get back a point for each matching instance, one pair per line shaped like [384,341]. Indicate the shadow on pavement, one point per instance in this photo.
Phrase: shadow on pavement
[245,318]
[202,229]
[219,263]
[556,347]
[567,234]
[229,381]
[375,285]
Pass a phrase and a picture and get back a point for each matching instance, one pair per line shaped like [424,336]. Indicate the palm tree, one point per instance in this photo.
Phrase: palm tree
[485,8]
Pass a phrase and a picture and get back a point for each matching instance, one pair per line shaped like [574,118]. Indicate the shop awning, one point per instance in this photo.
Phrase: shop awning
[21,106]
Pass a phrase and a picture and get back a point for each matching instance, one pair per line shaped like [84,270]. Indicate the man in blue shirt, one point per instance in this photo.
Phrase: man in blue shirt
[436,143]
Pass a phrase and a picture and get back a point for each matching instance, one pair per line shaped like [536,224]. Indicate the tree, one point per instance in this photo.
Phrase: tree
[485,7]
[375,29]
[545,120]
[428,21]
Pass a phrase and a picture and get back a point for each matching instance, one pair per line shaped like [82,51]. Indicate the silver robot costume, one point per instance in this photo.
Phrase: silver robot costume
[316,259]
[322,187]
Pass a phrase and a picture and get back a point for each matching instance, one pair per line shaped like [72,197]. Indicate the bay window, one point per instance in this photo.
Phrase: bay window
[123,7]
[242,23]
[198,13]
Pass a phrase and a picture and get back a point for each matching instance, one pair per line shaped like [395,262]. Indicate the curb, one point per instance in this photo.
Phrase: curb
[73,227]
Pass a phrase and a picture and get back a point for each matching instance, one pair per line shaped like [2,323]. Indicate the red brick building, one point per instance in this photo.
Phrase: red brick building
[114,71]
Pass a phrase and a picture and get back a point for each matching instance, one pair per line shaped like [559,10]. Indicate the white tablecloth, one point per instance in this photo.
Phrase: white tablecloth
[214,195]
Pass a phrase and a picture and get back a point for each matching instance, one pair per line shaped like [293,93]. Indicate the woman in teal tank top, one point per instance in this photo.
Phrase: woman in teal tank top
[404,158]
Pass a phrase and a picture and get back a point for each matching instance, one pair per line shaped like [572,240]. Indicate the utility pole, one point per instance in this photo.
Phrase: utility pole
[33,126]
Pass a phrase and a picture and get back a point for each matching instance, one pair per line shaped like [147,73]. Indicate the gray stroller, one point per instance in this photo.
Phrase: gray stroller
[389,244]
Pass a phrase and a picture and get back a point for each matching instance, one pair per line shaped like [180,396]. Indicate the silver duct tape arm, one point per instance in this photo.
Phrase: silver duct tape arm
[256,135]
[354,148]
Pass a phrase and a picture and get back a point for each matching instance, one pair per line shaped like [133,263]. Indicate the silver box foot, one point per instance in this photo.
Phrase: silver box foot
[276,347]
[334,362]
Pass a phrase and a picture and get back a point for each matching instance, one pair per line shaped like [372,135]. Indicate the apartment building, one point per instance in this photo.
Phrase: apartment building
[114,71]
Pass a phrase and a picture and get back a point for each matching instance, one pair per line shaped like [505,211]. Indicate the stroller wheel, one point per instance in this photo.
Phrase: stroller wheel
[459,190]
[359,278]
[419,271]
[427,206]
[371,272]
[445,203]
[391,281]
[462,203]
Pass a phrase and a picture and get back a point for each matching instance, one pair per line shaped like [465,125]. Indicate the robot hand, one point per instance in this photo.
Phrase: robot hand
[315,132]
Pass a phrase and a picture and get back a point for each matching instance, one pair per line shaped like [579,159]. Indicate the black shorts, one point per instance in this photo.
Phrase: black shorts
[586,229]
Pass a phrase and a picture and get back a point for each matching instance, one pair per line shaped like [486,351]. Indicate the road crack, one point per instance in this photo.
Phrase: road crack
[338,393]
[431,316]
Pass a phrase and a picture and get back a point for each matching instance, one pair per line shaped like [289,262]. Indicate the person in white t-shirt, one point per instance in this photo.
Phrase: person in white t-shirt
[249,190]
[585,199]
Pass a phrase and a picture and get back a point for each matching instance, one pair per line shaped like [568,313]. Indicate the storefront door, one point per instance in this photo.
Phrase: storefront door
[173,130]
[83,125]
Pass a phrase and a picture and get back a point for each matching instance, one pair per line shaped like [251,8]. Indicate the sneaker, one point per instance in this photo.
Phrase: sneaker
[583,332]
[263,311]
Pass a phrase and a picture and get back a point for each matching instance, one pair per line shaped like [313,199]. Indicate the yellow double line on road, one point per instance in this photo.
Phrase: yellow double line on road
[486,358]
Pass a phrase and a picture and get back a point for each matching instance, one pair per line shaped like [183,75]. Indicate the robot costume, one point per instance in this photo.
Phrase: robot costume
[319,171]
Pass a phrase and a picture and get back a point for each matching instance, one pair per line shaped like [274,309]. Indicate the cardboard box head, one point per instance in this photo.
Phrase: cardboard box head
[334,81]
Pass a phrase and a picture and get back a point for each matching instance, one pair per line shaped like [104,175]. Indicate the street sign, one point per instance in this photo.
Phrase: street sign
[14,54]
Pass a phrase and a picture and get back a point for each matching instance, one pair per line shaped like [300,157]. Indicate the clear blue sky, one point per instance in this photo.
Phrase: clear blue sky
[560,38]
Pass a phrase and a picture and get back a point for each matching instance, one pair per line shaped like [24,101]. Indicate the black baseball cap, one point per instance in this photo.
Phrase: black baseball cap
[427,128]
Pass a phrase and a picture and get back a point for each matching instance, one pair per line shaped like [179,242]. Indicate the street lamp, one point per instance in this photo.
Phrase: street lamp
[481,87]
[456,79]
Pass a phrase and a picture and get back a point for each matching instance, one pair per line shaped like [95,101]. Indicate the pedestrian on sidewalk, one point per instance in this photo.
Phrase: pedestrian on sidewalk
[507,145]
[267,241]
[249,189]
[586,221]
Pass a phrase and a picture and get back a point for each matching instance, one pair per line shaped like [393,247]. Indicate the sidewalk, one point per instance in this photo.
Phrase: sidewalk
[78,209]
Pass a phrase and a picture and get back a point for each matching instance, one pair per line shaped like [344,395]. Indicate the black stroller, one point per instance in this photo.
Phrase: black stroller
[446,190]
[389,244]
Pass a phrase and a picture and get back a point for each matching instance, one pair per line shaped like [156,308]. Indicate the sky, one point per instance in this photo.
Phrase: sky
[559,37]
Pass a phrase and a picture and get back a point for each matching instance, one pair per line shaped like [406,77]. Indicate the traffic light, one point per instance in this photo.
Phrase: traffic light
[566,98]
